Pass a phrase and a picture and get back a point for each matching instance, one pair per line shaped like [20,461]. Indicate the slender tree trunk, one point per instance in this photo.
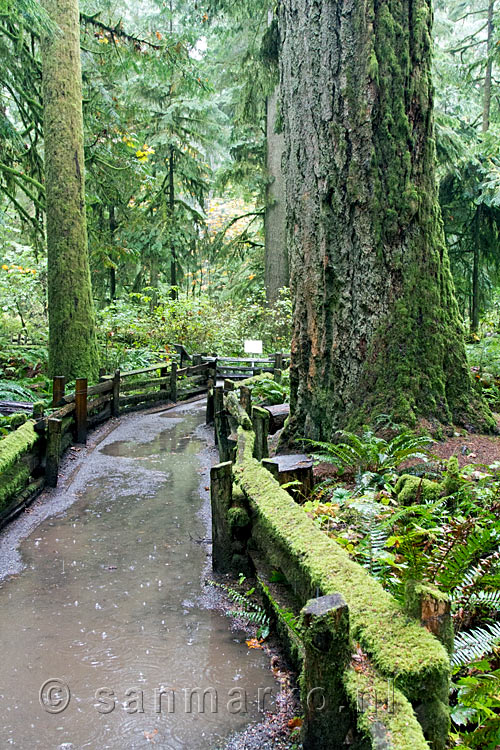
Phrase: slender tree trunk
[476,259]
[276,272]
[171,207]
[72,345]
[376,322]
[476,262]
[489,68]
[112,271]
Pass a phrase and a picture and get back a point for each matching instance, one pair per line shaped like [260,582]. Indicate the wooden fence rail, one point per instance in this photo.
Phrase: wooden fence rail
[46,438]
[36,463]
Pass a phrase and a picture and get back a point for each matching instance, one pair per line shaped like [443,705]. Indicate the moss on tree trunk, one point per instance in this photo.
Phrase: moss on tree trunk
[72,346]
[376,324]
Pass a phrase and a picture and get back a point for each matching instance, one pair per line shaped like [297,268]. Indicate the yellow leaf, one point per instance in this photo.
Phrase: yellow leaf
[254,643]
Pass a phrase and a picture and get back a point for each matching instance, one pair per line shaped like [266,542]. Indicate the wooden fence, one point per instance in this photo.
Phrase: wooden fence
[30,456]
[323,603]
[240,368]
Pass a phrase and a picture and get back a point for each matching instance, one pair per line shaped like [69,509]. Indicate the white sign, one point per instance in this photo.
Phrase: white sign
[253,347]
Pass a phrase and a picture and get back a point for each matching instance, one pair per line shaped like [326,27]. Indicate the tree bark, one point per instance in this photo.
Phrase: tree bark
[113,225]
[72,345]
[376,323]
[171,209]
[489,69]
[276,271]
[476,259]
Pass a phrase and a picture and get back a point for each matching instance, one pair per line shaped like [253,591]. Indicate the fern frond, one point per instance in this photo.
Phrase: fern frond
[474,644]
[10,391]
[463,556]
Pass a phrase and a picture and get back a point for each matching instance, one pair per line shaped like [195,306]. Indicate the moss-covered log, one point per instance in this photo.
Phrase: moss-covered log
[376,324]
[72,346]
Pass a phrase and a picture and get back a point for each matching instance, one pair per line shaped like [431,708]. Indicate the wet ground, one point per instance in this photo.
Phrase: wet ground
[106,642]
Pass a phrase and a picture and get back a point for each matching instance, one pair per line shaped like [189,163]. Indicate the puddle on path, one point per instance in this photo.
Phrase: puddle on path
[109,602]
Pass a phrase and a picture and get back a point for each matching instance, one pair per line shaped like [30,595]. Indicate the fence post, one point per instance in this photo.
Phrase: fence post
[53,451]
[325,632]
[218,399]
[81,410]
[221,427]
[58,386]
[115,399]
[173,382]
[221,495]
[163,374]
[196,359]
[246,399]
[278,361]
[102,373]
[210,402]
[432,609]
[260,420]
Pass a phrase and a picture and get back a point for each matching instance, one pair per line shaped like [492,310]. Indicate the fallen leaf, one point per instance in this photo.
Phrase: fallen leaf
[254,643]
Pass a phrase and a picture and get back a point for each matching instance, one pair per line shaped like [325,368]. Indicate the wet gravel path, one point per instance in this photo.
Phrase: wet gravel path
[274,731]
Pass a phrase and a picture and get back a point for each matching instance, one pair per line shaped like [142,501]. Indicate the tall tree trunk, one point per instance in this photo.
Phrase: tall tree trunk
[489,68]
[112,271]
[376,322]
[476,261]
[276,272]
[72,345]
[171,208]
[474,320]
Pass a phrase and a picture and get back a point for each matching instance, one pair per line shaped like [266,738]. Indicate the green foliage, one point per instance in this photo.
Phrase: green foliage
[249,610]
[268,392]
[10,391]
[474,644]
[370,457]
[451,544]
[132,330]
[477,707]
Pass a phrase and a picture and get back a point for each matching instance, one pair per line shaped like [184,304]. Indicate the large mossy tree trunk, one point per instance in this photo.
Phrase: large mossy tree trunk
[376,323]
[72,345]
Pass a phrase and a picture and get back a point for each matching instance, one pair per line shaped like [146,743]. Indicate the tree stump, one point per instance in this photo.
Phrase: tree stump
[293,468]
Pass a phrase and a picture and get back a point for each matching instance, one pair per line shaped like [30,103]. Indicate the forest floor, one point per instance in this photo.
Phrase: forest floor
[469,448]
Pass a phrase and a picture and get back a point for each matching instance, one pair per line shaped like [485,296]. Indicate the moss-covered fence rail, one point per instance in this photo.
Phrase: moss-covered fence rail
[371,675]
[30,455]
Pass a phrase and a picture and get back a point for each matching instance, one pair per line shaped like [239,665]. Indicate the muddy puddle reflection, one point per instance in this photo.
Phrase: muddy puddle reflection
[109,605]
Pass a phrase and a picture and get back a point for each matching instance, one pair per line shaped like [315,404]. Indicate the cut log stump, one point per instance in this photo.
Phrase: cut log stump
[293,468]
[277,416]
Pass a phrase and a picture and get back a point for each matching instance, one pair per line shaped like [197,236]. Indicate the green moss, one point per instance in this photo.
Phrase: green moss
[236,410]
[256,378]
[452,479]
[435,722]
[378,705]
[18,419]
[411,489]
[237,517]
[12,482]
[15,444]
[38,409]
[314,563]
